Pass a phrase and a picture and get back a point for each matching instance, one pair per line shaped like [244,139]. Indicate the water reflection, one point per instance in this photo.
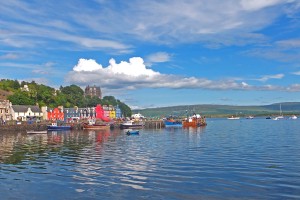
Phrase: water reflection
[249,160]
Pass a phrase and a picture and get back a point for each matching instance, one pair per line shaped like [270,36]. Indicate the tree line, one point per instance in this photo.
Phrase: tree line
[68,96]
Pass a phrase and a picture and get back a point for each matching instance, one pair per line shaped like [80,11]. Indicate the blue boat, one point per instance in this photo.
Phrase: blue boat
[133,132]
[55,127]
[172,123]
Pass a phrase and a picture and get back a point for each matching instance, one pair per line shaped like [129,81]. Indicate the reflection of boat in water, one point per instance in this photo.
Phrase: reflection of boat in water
[131,124]
[36,132]
[133,132]
[55,127]
[96,126]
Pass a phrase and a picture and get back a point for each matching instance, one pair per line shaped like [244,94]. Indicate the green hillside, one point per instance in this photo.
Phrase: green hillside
[209,110]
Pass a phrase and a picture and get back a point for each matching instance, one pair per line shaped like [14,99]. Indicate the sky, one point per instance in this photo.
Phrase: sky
[157,53]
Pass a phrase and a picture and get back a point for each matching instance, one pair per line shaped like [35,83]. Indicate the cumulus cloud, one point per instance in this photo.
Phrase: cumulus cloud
[134,75]
[87,65]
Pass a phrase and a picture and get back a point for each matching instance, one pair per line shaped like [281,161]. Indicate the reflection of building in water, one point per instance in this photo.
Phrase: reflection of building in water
[7,144]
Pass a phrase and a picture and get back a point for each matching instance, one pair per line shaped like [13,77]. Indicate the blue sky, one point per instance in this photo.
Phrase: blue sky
[157,53]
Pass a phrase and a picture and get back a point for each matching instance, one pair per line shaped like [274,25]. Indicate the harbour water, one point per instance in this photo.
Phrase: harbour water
[228,159]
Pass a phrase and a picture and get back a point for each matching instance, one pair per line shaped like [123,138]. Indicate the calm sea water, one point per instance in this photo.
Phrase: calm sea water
[228,159]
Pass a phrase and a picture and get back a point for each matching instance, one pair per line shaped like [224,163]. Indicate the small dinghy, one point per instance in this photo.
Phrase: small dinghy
[133,132]
[36,132]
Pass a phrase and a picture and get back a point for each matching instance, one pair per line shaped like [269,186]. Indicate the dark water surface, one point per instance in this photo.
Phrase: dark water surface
[228,159]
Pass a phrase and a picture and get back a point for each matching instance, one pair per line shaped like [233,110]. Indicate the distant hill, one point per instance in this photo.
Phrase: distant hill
[210,110]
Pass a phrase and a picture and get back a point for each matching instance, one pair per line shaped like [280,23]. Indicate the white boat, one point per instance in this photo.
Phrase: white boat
[250,117]
[293,117]
[232,117]
[280,115]
[36,132]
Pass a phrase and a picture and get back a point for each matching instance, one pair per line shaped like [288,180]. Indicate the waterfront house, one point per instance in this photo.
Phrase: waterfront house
[112,112]
[118,112]
[26,113]
[87,113]
[5,110]
[71,114]
[56,114]
[106,110]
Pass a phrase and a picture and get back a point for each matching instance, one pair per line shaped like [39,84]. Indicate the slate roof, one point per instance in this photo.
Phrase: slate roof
[24,108]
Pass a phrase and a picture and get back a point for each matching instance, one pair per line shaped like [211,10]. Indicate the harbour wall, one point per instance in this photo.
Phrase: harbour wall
[42,126]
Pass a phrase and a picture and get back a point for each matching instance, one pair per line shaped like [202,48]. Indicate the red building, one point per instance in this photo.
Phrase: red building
[55,114]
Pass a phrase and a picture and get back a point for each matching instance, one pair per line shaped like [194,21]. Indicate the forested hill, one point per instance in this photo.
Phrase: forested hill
[210,110]
[43,95]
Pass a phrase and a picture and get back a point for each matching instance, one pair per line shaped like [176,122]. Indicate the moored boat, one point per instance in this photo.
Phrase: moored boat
[131,124]
[232,117]
[133,132]
[95,126]
[36,132]
[293,117]
[172,123]
[194,121]
[55,127]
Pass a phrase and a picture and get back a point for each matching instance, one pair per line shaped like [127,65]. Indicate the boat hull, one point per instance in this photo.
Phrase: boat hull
[134,132]
[194,123]
[172,124]
[58,128]
[36,132]
[127,126]
[96,126]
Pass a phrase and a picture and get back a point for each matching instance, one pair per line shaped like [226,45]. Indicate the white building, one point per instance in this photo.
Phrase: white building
[137,116]
[26,112]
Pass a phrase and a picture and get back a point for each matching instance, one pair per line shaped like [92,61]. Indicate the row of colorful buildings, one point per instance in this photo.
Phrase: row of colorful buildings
[29,113]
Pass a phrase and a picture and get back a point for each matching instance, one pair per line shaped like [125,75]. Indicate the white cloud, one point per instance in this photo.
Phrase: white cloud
[164,21]
[87,65]
[135,67]
[134,75]
[296,73]
[267,77]
[9,56]
[252,5]
[158,57]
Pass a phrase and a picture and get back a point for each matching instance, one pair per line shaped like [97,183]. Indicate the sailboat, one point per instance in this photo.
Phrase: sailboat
[280,115]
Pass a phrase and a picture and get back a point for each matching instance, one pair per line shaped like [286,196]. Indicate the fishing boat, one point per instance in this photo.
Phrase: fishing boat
[131,124]
[194,121]
[133,132]
[172,123]
[36,132]
[55,127]
[95,126]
